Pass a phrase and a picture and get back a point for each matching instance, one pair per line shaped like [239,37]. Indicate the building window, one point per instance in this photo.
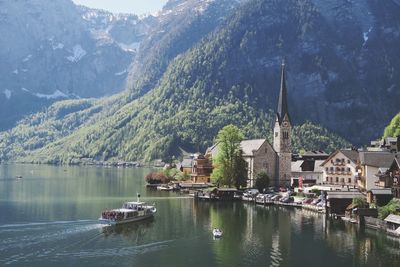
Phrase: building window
[348,161]
[276,134]
[265,164]
[266,150]
[337,179]
[348,169]
[285,135]
[349,180]
[326,169]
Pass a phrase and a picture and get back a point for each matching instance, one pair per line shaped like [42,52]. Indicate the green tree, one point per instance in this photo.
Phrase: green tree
[360,202]
[262,181]
[230,167]
[240,172]
[393,129]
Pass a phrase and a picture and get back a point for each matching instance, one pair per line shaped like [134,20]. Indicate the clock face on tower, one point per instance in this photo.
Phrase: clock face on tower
[285,123]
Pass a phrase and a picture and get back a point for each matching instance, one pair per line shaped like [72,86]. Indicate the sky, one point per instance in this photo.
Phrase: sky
[138,7]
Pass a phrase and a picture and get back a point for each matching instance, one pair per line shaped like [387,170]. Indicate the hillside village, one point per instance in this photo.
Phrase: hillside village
[371,174]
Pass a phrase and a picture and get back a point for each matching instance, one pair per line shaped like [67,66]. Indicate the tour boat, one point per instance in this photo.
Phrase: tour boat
[130,212]
[217,233]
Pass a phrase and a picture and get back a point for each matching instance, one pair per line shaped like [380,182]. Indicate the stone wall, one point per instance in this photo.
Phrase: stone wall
[265,159]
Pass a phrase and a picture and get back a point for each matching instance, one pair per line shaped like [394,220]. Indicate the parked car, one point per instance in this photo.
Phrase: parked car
[315,201]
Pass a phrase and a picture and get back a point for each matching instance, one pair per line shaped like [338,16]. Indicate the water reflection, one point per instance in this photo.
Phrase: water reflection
[135,232]
[49,218]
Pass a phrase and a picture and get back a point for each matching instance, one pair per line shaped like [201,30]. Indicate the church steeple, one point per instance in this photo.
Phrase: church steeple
[282,102]
[283,135]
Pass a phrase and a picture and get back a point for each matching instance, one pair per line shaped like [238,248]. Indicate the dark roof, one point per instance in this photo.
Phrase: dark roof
[376,159]
[186,163]
[282,102]
[343,194]
[315,153]
[382,191]
[350,154]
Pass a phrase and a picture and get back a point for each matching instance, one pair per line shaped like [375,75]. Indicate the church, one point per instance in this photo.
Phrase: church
[274,159]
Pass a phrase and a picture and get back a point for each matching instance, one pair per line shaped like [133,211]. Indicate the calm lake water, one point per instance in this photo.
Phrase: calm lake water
[49,218]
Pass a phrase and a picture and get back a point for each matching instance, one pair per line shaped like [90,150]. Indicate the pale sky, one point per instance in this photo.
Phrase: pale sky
[125,6]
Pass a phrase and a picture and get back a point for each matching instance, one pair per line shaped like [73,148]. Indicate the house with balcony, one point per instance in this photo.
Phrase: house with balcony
[390,177]
[339,169]
[369,164]
[201,169]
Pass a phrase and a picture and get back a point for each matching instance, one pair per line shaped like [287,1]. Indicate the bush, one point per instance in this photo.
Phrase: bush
[262,181]
[316,191]
[157,178]
[391,208]
[360,202]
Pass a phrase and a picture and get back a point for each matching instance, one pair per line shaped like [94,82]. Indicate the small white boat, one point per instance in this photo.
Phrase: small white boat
[130,212]
[217,233]
[164,188]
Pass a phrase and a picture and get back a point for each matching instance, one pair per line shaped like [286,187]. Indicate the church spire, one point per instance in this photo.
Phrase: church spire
[282,102]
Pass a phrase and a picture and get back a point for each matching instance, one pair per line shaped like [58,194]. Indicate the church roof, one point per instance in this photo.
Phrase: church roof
[249,145]
[282,109]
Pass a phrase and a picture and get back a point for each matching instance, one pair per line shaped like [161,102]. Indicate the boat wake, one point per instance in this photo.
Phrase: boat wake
[10,226]
[63,242]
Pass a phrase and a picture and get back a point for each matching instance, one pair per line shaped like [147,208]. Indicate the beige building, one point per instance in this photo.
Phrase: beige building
[340,168]
[368,167]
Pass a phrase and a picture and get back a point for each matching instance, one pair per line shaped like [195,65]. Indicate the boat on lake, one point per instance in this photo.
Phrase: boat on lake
[217,233]
[130,212]
[164,188]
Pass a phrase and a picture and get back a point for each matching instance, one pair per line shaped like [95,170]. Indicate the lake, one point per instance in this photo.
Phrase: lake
[49,218]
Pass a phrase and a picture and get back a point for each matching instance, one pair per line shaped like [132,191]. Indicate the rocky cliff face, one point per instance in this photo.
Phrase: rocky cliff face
[55,50]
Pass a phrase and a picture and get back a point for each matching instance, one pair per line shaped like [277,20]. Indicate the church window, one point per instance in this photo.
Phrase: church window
[285,135]
[265,164]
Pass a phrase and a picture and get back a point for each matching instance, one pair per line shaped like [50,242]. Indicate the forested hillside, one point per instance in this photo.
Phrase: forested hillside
[341,65]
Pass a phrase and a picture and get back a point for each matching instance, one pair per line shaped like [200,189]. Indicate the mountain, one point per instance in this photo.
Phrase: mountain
[342,65]
[56,50]
[181,24]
